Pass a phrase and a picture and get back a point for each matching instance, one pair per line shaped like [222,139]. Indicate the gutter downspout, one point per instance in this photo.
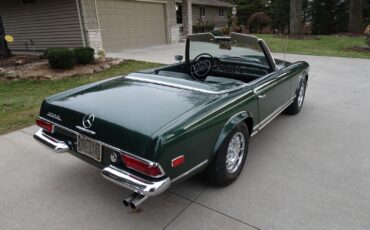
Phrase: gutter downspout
[97,14]
[81,22]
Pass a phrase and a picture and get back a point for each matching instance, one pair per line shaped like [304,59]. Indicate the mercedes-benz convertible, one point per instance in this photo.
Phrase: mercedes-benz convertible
[153,128]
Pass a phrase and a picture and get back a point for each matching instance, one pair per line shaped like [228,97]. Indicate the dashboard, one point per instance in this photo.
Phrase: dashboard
[236,68]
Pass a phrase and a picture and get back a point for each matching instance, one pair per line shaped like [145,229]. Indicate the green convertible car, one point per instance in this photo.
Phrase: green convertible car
[156,127]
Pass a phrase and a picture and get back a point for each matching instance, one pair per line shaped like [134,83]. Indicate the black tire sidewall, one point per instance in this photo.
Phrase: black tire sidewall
[222,176]
[295,108]
[302,83]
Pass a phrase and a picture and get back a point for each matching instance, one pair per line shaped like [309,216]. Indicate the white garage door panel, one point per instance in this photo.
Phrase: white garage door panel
[130,24]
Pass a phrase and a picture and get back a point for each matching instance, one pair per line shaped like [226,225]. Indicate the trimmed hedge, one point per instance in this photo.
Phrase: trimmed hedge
[217,32]
[61,58]
[202,28]
[84,55]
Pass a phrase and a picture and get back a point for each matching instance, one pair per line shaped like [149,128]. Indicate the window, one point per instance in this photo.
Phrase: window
[28,1]
[179,14]
[202,11]
[221,12]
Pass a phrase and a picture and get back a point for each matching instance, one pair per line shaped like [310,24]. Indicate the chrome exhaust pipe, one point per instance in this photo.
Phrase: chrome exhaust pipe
[126,202]
[137,201]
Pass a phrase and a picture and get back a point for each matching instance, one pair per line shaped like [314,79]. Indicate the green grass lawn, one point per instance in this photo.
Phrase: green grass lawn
[326,46]
[20,100]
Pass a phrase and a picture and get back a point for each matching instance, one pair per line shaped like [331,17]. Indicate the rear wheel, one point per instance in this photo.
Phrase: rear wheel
[297,104]
[230,158]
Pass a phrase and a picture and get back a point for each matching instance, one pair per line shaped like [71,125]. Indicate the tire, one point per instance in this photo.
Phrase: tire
[221,172]
[297,104]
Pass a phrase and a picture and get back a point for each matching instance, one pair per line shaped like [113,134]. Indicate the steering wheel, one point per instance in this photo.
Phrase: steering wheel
[201,66]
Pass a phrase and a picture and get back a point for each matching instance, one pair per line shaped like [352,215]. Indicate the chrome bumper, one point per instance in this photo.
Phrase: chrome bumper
[57,145]
[134,183]
[118,176]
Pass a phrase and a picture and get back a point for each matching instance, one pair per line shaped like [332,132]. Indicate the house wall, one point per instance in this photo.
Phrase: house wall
[212,15]
[174,30]
[90,24]
[41,25]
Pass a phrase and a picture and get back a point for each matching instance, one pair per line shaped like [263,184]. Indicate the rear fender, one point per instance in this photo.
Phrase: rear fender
[228,127]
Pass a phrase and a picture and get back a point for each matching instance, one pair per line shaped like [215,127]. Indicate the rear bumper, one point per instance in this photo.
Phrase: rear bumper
[111,173]
[57,145]
[134,183]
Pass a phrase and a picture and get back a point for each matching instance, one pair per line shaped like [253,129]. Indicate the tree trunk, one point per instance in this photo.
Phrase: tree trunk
[355,16]
[296,17]
[4,49]
[187,17]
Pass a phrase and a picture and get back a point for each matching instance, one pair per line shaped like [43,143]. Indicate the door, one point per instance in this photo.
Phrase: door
[131,24]
[273,94]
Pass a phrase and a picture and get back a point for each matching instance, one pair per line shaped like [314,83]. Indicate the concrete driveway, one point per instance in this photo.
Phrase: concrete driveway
[310,171]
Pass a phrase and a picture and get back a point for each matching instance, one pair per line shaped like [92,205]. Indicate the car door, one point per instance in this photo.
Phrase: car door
[272,92]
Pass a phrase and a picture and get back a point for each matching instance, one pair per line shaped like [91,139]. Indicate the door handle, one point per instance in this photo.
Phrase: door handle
[261,96]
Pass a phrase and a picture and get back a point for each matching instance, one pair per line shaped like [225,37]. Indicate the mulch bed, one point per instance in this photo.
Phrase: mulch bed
[298,37]
[362,35]
[358,49]
[17,60]
[34,67]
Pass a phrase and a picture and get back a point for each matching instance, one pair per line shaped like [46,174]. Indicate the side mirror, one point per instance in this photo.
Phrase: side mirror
[179,58]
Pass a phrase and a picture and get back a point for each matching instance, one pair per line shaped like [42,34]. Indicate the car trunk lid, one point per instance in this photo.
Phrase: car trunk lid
[127,112]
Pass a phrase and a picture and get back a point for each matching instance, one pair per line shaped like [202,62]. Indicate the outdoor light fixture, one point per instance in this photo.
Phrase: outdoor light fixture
[234,11]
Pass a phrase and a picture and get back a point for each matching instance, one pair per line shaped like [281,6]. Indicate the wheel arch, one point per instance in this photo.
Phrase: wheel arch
[235,120]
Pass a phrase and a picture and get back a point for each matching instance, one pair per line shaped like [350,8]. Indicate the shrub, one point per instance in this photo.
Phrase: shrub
[84,55]
[200,27]
[225,30]
[217,32]
[60,58]
[367,40]
[101,53]
[257,22]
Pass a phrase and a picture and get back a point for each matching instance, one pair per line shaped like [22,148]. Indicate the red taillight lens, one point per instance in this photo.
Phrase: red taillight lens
[141,166]
[45,125]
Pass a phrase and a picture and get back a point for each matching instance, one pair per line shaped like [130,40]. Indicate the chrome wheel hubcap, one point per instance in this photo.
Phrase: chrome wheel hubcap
[235,152]
[301,95]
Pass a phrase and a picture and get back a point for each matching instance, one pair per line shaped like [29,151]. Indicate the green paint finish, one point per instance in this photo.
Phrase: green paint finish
[160,121]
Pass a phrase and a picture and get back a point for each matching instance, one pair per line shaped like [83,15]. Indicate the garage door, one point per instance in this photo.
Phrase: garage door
[131,24]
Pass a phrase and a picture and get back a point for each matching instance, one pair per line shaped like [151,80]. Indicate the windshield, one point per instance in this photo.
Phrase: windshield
[237,48]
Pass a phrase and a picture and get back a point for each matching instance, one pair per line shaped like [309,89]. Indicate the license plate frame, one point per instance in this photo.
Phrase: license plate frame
[89,147]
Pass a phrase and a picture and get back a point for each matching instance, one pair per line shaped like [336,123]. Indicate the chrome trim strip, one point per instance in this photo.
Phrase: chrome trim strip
[134,183]
[274,114]
[105,144]
[85,130]
[254,133]
[190,171]
[179,86]
[257,128]
[56,145]
[255,90]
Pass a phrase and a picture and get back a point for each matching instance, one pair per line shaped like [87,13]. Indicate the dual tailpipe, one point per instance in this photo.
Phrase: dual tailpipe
[135,200]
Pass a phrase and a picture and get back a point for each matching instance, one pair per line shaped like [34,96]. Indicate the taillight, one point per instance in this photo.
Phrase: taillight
[152,170]
[45,125]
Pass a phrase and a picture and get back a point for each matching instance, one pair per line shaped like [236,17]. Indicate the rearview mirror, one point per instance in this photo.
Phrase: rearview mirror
[179,58]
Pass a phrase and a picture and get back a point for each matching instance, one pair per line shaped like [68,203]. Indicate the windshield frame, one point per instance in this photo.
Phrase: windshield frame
[270,61]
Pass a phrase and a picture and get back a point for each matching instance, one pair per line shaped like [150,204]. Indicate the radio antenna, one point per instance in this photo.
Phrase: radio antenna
[286,45]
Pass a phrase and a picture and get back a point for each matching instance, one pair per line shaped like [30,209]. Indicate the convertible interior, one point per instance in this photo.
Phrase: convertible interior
[214,60]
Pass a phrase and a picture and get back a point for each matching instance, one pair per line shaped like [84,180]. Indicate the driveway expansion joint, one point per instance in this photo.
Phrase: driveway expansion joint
[209,208]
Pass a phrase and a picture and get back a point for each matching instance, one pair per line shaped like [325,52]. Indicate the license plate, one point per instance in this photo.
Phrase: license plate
[89,148]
